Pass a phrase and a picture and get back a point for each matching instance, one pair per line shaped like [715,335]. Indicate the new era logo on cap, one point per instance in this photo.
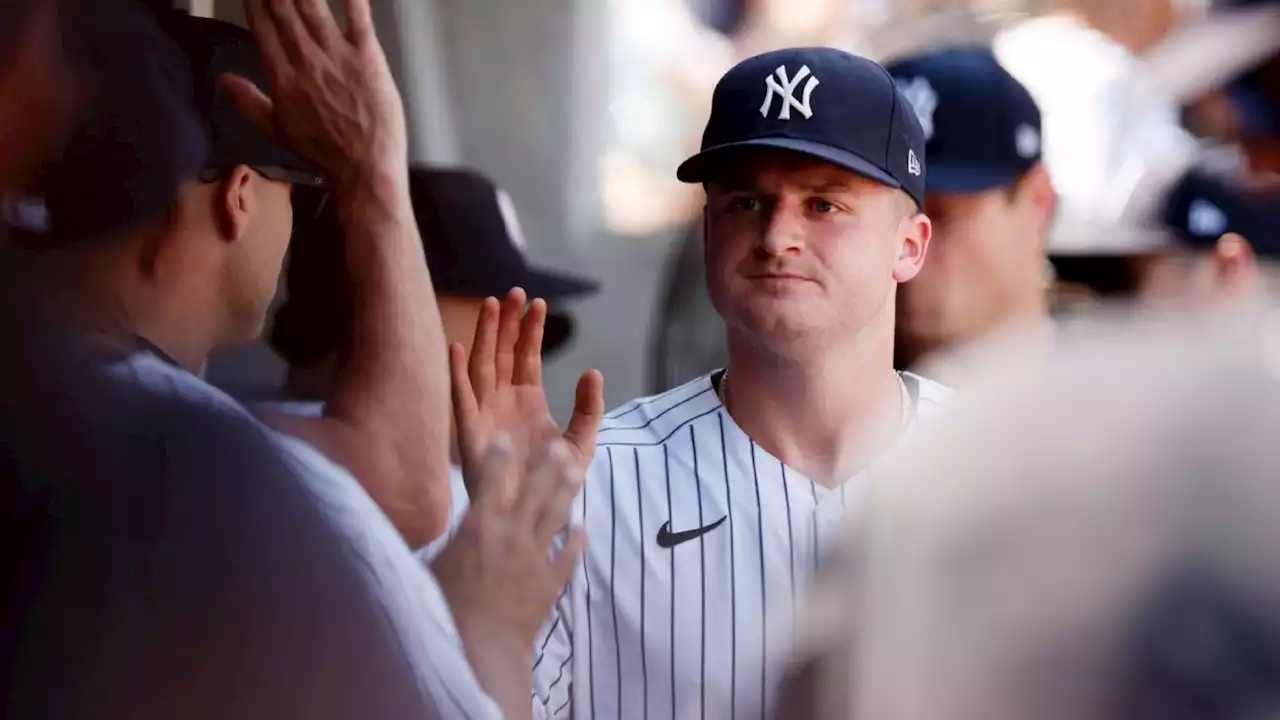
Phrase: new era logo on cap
[820,102]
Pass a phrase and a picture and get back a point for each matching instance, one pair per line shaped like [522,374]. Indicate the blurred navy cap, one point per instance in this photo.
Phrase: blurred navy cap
[214,48]
[981,125]
[820,102]
[139,135]
[1201,207]
[474,248]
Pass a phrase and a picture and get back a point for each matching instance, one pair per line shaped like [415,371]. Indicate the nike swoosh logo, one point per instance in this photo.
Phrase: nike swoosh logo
[668,539]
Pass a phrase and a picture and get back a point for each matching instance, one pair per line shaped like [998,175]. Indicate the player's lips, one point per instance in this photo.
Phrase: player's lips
[778,277]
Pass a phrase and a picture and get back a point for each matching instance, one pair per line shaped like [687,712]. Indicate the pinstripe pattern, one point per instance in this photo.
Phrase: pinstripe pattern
[685,628]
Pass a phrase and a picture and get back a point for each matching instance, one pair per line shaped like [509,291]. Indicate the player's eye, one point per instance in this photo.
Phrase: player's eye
[822,207]
[742,204]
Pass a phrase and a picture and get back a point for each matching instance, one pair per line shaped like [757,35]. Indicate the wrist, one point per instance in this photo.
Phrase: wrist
[378,178]
[501,664]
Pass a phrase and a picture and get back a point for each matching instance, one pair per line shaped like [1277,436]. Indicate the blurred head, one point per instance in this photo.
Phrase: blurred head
[989,197]
[814,169]
[986,265]
[474,249]
[238,215]
[232,230]
[1224,236]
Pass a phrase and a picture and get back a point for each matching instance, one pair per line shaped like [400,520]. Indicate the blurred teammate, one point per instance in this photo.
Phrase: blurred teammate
[991,202]
[709,506]
[474,248]
[1112,563]
[1224,243]
[201,279]
[150,545]
[170,290]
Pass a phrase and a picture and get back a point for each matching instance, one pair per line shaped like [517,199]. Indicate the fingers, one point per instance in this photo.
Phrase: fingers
[251,101]
[588,409]
[508,334]
[465,406]
[290,31]
[483,348]
[360,21]
[274,58]
[319,22]
[528,369]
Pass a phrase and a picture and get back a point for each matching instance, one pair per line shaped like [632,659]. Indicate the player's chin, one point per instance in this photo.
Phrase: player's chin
[779,321]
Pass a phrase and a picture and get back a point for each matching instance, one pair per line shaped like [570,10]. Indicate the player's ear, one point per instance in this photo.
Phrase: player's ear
[1036,190]
[1235,264]
[914,233]
[234,202]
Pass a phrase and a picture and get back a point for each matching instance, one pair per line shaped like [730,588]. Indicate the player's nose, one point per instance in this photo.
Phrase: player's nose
[782,233]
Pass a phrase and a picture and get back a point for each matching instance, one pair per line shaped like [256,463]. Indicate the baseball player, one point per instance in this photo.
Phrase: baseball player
[708,506]
[992,205]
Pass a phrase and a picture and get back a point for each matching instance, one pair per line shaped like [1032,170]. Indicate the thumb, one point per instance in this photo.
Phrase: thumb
[588,409]
[251,101]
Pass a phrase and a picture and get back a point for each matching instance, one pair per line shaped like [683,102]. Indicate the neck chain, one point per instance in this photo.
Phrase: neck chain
[723,385]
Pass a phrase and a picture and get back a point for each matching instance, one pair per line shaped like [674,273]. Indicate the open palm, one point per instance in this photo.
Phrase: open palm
[500,388]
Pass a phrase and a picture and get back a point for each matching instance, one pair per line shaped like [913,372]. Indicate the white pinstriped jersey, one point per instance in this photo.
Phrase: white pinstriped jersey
[700,544]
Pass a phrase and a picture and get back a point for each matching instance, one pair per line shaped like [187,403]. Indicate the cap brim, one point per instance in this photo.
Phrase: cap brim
[540,283]
[945,178]
[701,167]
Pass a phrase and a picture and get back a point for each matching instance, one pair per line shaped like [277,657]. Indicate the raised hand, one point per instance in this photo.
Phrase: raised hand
[332,97]
[501,388]
[500,573]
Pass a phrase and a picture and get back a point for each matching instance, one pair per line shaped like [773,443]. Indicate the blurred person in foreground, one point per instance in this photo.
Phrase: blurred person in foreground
[708,506]
[152,561]
[168,287]
[992,204]
[474,248]
[1103,546]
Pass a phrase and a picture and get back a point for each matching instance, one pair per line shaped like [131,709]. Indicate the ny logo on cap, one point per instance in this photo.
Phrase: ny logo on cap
[923,99]
[786,88]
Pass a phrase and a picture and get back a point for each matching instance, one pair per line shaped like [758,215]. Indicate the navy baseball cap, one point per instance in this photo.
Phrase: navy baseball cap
[214,48]
[1201,207]
[474,248]
[981,126]
[138,137]
[820,102]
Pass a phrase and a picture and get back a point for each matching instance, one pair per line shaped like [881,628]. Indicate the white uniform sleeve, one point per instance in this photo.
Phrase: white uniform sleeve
[458,503]
[553,664]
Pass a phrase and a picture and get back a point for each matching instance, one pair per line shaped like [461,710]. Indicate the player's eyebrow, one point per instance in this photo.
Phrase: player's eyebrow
[829,186]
